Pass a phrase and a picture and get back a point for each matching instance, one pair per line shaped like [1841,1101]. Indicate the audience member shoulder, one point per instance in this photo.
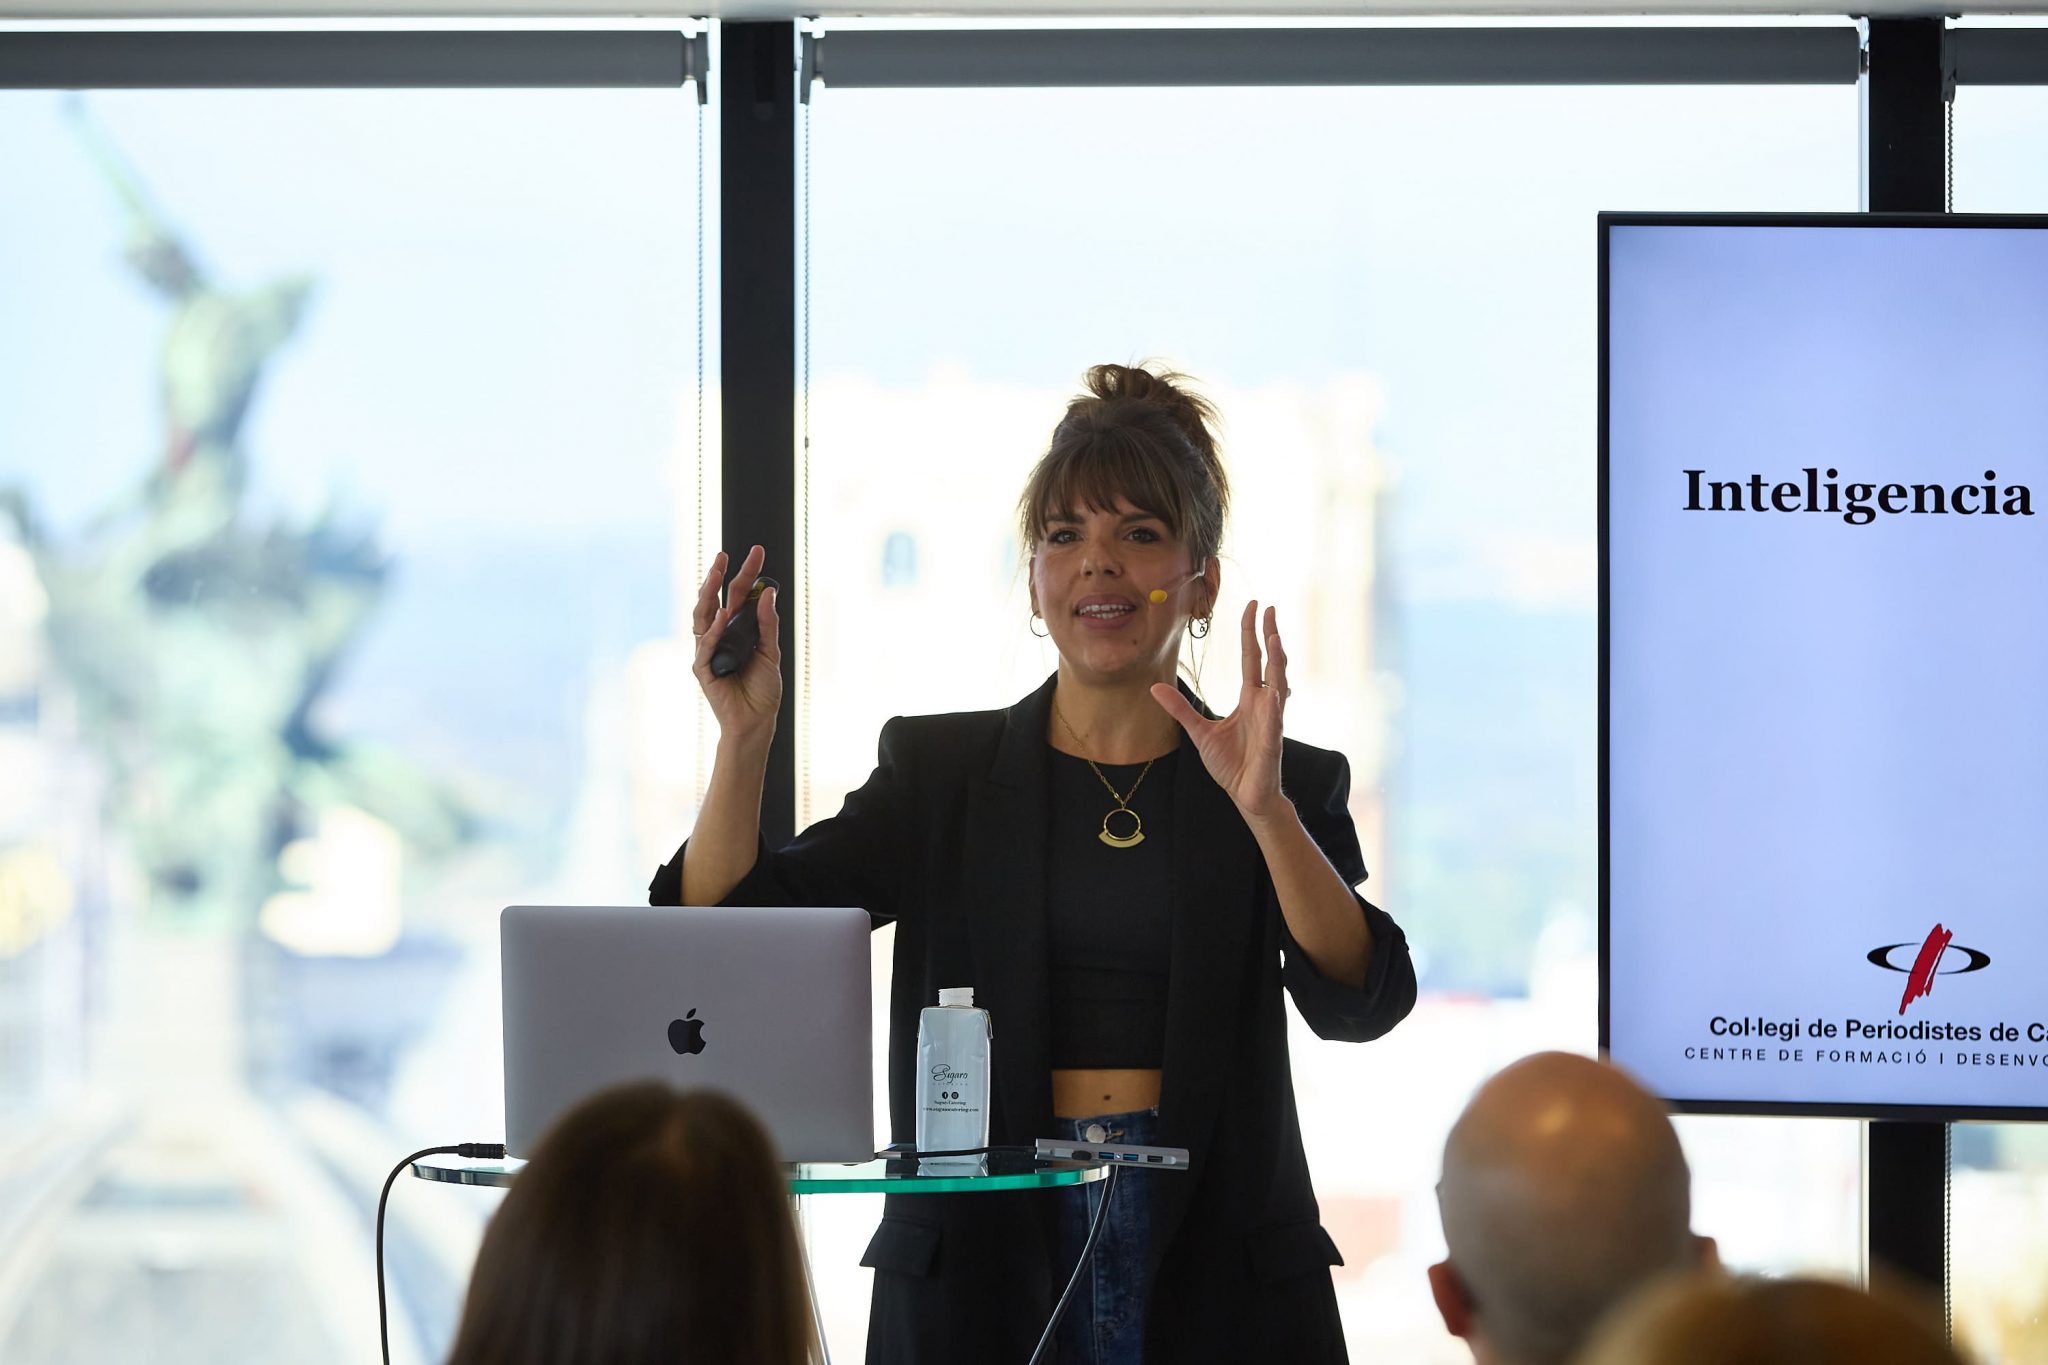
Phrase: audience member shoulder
[1708,1318]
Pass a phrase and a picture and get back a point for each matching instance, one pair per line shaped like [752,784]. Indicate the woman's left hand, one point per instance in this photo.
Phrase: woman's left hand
[1242,750]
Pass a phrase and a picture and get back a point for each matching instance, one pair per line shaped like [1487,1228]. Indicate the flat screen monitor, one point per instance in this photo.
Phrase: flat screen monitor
[1824,662]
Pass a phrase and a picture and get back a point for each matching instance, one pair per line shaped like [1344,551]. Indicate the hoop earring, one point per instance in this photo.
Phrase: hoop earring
[1046,634]
[1201,621]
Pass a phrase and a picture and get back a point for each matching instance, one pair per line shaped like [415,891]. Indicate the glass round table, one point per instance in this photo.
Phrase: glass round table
[1004,1168]
[1001,1169]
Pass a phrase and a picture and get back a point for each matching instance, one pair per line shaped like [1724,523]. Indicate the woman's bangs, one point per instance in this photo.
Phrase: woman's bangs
[1096,477]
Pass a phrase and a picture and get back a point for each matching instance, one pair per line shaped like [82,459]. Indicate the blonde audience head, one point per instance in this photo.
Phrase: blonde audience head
[651,1225]
[1564,1190]
[1723,1320]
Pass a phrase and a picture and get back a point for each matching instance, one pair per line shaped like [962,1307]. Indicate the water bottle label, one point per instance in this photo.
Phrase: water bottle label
[951,1091]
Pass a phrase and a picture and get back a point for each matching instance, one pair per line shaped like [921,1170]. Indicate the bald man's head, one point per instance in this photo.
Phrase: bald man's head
[1563,1189]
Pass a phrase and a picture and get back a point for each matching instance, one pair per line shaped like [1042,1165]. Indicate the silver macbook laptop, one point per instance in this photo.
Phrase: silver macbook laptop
[770,1006]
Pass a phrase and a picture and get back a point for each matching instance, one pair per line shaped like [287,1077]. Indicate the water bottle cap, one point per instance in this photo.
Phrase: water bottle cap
[956,995]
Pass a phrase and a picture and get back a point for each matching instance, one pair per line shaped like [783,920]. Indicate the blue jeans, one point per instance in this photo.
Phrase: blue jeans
[1105,1322]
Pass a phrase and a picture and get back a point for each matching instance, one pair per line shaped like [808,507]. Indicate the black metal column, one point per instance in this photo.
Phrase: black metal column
[758,365]
[1905,89]
[1907,1177]
[1905,95]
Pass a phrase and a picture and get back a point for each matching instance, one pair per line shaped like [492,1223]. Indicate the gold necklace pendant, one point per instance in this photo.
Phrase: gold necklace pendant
[1131,840]
[1122,799]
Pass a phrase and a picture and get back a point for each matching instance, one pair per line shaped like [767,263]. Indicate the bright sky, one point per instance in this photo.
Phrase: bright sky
[1440,240]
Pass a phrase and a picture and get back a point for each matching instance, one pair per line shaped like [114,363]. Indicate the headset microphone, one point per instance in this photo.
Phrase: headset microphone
[1159,595]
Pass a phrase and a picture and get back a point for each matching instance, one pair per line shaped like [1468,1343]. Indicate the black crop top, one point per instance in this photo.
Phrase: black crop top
[1107,918]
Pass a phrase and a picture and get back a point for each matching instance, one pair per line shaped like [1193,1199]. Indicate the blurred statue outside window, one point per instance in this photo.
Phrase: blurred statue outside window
[196,639]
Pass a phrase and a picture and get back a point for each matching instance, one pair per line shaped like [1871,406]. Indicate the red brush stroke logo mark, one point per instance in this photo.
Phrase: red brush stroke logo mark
[1920,981]
[1937,957]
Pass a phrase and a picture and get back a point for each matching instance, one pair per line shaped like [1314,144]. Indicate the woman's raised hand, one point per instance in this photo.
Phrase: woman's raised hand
[744,703]
[1242,750]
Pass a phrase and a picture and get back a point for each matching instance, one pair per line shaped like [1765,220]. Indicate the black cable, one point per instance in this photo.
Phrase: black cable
[472,1151]
[1059,1310]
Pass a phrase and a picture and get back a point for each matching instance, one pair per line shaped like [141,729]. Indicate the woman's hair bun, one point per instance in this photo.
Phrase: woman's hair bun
[1124,381]
[1167,389]
[1137,382]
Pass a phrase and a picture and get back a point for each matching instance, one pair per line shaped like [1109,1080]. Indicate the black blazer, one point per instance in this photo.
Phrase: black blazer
[947,840]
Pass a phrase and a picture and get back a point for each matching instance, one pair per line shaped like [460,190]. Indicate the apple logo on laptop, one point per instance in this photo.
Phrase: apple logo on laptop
[687,1033]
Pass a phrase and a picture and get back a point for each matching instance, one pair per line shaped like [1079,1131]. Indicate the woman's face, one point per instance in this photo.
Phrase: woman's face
[1092,578]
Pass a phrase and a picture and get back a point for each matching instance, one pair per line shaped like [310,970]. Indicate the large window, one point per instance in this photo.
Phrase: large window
[351,501]
[349,444]
[1390,296]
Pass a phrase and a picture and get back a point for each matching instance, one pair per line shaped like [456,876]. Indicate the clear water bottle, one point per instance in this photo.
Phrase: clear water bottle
[953,1042]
